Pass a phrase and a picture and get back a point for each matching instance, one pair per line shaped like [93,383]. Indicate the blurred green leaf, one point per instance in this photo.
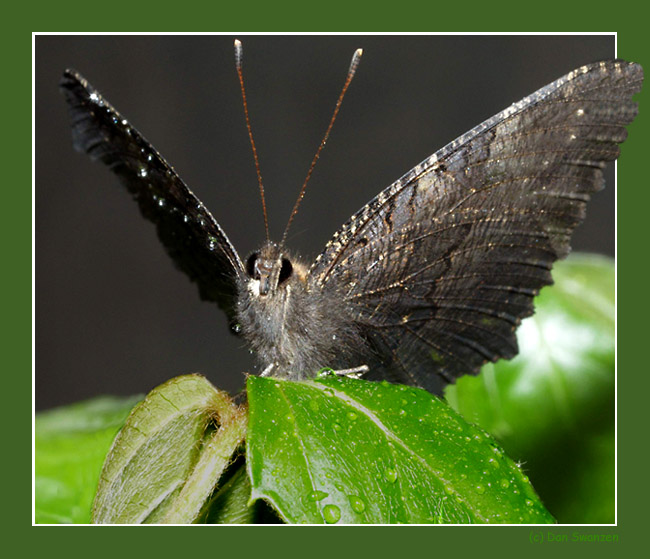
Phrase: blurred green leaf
[70,446]
[351,451]
[552,407]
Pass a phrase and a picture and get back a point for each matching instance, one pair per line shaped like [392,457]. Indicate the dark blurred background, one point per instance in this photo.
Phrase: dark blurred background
[113,315]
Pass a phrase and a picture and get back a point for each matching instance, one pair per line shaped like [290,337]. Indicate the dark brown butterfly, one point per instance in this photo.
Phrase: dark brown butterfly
[427,281]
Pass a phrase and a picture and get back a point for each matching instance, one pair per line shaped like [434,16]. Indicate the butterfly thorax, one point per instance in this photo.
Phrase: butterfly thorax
[290,323]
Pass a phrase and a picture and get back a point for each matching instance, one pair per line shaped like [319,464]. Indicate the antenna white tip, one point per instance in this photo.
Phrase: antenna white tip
[239,53]
[356,58]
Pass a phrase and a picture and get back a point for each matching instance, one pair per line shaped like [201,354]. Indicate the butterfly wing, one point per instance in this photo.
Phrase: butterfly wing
[440,268]
[192,237]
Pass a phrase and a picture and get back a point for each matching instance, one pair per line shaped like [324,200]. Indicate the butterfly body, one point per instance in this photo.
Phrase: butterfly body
[294,326]
[427,281]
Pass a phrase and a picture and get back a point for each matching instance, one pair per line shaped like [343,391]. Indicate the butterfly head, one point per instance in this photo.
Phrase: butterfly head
[268,269]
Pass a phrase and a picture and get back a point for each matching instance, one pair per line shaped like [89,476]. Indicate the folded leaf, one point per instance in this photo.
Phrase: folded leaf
[168,458]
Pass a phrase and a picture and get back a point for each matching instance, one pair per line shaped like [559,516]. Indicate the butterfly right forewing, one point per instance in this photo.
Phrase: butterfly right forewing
[191,236]
[440,268]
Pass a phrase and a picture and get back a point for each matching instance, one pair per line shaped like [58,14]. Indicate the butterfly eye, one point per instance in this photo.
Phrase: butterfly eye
[285,271]
[250,265]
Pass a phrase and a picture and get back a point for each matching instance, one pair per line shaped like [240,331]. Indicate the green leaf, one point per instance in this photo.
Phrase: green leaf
[70,446]
[552,407]
[351,451]
[230,504]
[168,458]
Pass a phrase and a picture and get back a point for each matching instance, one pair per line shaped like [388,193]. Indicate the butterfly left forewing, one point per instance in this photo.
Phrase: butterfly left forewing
[441,267]
[191,236]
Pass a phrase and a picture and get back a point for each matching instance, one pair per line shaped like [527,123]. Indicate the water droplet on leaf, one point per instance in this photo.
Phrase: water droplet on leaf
[357,504]
[390,475]
[317,495]
[331,514]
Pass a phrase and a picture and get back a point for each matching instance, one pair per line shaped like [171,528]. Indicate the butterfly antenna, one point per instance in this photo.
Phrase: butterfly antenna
[238,62]
[353,68]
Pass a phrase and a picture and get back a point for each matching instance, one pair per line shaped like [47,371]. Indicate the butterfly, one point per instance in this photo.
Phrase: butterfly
[430,279]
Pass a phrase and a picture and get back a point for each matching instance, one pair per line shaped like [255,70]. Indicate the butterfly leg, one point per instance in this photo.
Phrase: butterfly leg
[267,372]
[356,372]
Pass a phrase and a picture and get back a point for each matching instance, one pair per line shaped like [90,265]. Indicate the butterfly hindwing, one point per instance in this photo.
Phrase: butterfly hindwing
[441,267]
[190,234]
